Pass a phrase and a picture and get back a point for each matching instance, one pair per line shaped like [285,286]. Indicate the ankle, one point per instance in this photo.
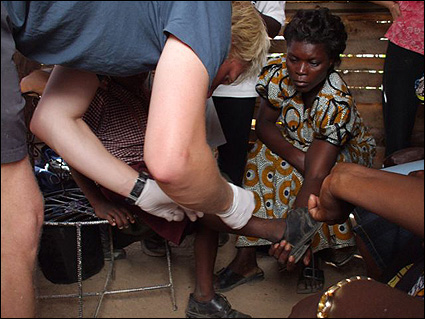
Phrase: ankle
[203,297]
[278,230]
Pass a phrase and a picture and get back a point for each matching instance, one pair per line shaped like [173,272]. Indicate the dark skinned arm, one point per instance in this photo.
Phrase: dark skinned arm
[314,165]
[116,214]
[273,27]
[271,136]
[319,160]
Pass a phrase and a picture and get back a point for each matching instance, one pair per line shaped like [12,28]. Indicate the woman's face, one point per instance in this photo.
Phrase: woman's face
[307,64]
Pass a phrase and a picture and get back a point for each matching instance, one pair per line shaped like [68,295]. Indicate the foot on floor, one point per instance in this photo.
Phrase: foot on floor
[218,307]
[227,279]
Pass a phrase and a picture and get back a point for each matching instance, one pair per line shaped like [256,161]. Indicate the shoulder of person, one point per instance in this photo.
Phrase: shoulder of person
[337,89]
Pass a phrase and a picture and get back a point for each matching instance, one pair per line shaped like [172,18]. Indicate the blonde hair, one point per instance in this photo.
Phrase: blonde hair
[250,42]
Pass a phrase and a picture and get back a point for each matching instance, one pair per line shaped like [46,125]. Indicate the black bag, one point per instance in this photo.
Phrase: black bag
[58,253]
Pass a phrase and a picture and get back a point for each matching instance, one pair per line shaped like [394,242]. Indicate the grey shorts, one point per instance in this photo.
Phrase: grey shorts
[13,129]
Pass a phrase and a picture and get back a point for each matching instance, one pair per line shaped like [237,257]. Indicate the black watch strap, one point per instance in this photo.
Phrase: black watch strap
[137,189]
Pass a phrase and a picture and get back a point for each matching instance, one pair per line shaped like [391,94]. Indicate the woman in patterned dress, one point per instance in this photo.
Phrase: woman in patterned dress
[307,122]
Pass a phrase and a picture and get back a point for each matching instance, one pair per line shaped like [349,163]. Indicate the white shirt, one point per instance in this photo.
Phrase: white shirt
[246,89]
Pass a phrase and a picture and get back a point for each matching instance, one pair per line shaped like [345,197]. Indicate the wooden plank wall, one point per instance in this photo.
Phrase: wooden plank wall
[363,60]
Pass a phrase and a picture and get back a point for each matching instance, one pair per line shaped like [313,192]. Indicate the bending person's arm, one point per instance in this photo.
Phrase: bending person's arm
[176,149]
[397,198]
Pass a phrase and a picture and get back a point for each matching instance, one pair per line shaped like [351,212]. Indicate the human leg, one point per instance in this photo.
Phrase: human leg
[235,116]
[204,302]
[400,104]
[243,269]
[21,222]
[274,230]
[21,200]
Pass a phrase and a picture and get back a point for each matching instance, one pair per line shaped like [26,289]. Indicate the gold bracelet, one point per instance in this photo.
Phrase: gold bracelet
[325,303]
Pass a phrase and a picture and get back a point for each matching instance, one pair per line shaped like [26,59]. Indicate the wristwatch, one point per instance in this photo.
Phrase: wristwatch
[137,189]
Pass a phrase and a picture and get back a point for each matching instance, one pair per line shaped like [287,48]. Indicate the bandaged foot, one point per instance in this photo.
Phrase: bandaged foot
[238,215]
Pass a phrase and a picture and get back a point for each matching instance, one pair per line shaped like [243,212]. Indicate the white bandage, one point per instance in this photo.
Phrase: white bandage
[238,215]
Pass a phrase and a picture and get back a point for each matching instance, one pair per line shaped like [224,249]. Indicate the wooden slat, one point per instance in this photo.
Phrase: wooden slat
[367,96]
[278,46]
[362,64]
[366,46]
[354,46]
[340,7]
[385,16]
[363,79]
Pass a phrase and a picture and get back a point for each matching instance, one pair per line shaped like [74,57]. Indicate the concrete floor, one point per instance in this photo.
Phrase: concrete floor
[270,298]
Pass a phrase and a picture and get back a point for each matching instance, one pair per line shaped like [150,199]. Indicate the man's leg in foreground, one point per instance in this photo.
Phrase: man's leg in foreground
[21,222]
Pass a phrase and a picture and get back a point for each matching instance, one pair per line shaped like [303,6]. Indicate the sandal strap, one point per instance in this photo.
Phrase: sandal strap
[300,230]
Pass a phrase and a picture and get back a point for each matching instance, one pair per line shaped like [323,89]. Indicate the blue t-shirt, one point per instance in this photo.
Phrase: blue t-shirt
[119,38]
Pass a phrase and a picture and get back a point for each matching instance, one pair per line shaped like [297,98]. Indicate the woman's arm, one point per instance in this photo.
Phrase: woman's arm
[271,136]
[392,6]
[319,160]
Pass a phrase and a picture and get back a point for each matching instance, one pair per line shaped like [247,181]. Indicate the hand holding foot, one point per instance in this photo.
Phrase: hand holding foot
[299,232]
[282,253]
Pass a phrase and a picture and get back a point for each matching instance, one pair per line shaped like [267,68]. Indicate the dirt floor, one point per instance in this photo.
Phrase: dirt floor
[270,298]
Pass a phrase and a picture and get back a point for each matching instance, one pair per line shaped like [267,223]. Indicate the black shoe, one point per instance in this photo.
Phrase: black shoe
[218,307]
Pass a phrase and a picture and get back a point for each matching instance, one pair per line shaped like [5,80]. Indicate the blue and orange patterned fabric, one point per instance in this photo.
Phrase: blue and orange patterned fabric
[333,117]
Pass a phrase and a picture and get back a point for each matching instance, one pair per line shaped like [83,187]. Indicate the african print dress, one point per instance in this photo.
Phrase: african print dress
[333,117]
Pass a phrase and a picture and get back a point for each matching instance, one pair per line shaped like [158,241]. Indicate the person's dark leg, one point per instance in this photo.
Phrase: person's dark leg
[402,68]
[206,245]
[235,116]
[245,263]
[204,302]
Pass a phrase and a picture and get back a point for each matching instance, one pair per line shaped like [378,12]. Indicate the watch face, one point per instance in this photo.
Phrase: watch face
[137,189]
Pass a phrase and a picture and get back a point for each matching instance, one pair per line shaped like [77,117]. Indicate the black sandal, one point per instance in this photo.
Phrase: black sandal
[312,279]
[227,279]
[300,230]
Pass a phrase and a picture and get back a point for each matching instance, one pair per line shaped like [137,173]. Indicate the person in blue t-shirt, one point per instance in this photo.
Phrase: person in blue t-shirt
[193,47]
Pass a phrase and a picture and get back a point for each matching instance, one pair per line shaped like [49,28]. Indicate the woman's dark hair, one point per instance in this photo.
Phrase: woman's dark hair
[318,26]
